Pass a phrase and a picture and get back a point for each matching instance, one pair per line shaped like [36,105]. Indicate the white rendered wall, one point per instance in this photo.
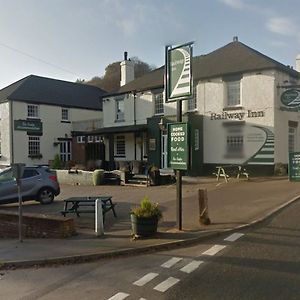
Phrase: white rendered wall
[53,128]
[5,133]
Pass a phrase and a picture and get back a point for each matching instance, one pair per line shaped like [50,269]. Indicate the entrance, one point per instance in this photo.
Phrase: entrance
[65,151]
[164,151]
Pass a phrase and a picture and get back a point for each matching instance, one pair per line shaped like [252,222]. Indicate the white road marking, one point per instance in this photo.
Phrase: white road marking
[165,285]
[234,237]
[214,250]
[192,266]
[119,296]
[145,279]
[171,262]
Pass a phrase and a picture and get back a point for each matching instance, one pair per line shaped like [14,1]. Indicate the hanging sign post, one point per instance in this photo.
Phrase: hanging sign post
[178,87]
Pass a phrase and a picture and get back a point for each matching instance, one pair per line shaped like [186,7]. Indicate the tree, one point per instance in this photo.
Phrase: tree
[110,82]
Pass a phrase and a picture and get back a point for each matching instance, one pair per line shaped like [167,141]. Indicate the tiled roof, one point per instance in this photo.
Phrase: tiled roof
[233,58]
[42,90]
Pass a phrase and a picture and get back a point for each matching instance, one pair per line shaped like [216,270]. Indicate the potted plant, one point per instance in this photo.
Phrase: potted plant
[144,218]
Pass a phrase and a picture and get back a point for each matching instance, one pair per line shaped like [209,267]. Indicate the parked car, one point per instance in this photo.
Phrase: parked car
[37,183]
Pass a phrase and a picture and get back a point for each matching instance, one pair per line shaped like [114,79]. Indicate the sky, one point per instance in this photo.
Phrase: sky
[77,39]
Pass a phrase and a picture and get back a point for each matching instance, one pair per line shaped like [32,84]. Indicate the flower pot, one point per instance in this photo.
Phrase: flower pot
[143,226]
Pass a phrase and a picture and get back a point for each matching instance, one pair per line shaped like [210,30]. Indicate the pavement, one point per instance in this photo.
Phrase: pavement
[232,206]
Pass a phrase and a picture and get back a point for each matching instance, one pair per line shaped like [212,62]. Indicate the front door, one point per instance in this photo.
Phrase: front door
[164,151]
[65,151]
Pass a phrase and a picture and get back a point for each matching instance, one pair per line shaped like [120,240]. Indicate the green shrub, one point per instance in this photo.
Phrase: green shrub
[147,209]
[56,163]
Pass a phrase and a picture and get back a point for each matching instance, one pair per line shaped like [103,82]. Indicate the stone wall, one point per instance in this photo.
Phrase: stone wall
[35,225]
[76,178]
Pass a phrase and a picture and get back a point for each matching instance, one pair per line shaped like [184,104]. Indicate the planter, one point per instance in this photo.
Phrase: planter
[143,226]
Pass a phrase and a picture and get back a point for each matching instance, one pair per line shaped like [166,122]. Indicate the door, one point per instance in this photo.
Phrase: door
[65,151]
[164,151]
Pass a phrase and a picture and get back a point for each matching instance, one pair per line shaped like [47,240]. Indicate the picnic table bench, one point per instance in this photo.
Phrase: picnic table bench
[228,170]
[80,205]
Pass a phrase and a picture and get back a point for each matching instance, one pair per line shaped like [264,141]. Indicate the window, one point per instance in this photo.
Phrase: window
[119,110]
[97,138]
[192,102]
[32,111]
[235,145]
[292,138]
[81,139]
[158,104]
[34,146]
[233,93]
[65,150]
[64,114]
[90,139]
[30,173]
[120,146]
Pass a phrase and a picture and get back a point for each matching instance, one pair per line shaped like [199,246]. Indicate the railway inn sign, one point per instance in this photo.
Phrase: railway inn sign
[237,115]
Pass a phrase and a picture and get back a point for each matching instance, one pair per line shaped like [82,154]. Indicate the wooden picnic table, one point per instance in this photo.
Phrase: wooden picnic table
[239,170]
[78,205]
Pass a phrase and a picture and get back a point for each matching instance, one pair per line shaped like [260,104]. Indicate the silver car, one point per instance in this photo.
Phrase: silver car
[37,183]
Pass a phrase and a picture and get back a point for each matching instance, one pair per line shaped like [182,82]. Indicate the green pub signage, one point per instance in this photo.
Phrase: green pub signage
[26,125]
[178,147]
[294,166]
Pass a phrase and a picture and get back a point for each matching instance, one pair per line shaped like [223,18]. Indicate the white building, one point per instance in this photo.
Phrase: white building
[240,113]
[37,115]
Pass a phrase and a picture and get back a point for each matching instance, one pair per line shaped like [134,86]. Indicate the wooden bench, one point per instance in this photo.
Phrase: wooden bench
[76,205]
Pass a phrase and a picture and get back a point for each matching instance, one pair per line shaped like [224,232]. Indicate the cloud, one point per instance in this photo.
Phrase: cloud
[236,4]
[282,26]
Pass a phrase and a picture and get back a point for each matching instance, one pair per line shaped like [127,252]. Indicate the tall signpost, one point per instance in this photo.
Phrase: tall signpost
[178,87]
[18,170]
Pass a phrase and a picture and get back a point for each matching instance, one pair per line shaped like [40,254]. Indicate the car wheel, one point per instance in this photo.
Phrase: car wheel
[45,196]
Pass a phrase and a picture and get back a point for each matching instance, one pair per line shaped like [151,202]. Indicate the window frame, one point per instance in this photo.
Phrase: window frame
[233,93]
[119,111]
[80,139]
[63,111]
[192,101]
[33,111]
[158,100]
[34,146]
[120,146]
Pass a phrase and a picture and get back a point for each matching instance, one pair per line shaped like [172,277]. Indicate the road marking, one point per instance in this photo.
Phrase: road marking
[145,279]
[119,296]
[171,262]
[165,285]
[234,237]
[192,266]
[214,250]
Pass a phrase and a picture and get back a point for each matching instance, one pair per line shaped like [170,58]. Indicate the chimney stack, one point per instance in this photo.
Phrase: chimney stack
[298,63]
[127,70]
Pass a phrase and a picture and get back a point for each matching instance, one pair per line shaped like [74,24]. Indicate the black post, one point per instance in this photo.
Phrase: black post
[179,176]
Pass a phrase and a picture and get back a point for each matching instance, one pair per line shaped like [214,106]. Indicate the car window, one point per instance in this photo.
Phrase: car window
[6,175]
[30,173]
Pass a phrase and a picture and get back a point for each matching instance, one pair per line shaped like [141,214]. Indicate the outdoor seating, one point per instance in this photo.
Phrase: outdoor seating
[228,171]
[79,205]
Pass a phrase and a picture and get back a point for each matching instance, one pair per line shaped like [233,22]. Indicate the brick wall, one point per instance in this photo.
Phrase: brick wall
[35,225]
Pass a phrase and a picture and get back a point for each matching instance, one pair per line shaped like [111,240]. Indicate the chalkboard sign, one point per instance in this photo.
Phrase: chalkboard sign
[294,166]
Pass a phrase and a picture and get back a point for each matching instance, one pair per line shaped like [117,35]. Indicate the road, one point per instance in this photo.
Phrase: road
[258,263]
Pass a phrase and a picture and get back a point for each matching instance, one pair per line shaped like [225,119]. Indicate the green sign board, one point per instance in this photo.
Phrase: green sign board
[291,98]
[178,146]
[294,166]
[26,125]
[179,72]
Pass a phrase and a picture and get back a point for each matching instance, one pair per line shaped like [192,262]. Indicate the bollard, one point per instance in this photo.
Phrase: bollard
[203,207]
[99,230]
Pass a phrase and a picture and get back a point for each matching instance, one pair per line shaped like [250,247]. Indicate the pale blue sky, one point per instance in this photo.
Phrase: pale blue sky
[70,39]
